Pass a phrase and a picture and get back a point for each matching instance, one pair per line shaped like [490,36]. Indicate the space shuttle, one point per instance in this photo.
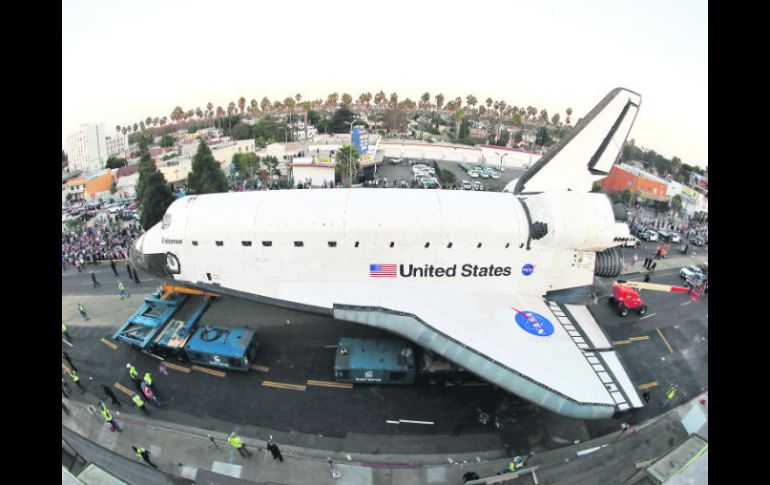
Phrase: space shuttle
[483,279]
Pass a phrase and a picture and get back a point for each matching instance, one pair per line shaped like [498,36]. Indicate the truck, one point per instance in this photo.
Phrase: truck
[392,361]
[159,328]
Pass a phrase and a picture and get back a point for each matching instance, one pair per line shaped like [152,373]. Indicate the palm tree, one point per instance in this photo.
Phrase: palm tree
[199,113]
[394,100]
[142,125]
[117,128]
[425,100]
[136,127]
[555,119]
[347,99]
[265,105]
[544,117]
[298,98]
[439,101]
[471,100]
[379,99]
[209,110]
[254,106]
[569,113]
[156,121]
[219,115]
[242,103]
[489,103]
[331,100]
[289,103]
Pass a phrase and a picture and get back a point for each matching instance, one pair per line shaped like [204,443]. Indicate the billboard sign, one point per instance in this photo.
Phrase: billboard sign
[361,141]
[699,180]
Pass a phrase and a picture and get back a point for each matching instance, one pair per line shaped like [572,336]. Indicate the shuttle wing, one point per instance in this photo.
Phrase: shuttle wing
[588,152]
[551,354]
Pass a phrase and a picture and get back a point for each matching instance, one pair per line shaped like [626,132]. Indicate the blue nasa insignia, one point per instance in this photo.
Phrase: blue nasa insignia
[527,269]
[533,323]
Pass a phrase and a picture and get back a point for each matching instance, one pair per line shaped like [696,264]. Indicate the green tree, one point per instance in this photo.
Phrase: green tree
[167,141]
[207,176]
[345,157]
[146,167]
[543,138]
[113,162]
[597,187]
[626,196]
[247,163]
[157,197]
[676,203]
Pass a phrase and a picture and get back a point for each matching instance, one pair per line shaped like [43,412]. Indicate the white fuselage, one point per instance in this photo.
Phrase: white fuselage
[317,247]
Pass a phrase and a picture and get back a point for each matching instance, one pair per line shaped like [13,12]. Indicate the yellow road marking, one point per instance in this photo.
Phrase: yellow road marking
[66,368]
[281,385]
[122,388]
[635,339]
[209,371]
[176,367]
[665,341]
[106,342]
[621,342]
[648,385]
[340,385]
[260,368]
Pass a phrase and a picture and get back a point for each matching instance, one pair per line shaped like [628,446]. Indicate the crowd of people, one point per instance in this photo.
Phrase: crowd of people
[100,242]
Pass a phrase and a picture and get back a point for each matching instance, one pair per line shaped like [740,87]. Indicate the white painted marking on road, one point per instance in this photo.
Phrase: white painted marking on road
[648,316]
[227,469]
[67,343]
[391,422]
[416,422]
[686,303]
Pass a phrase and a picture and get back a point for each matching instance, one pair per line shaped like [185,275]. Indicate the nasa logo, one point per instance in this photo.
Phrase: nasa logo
[527,269]
[533,323]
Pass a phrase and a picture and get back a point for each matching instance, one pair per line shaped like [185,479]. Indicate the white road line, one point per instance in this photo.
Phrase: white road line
[686,303]
[648,316]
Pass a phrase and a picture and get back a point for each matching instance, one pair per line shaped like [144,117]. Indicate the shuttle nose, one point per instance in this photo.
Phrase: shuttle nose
[153,264]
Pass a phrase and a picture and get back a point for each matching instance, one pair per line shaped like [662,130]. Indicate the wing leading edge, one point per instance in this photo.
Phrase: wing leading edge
[553,355]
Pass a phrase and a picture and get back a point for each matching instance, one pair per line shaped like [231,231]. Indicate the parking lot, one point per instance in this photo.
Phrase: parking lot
[403,172]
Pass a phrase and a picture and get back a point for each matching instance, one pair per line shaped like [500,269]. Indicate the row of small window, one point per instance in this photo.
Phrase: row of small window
[333,244]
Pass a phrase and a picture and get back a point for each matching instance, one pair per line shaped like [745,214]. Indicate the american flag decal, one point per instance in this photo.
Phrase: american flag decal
[382,270]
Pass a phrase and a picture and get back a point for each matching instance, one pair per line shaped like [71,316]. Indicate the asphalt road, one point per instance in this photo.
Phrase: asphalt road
[669,346]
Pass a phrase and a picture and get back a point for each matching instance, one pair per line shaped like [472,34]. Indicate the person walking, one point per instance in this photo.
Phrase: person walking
[112,265]
[76,379]
[273,448]
[65,332]
[66,357]
[93,278]
[652,266]
[136,277]
[123,293]
[139,402]
[65,388]
[128,268]
[111,395]
[647,278]
[237,443]
[133,373]
[82,311]
[144,455]
[108,417]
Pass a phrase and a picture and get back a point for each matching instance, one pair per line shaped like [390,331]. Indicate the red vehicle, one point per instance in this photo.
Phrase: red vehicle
[625,296]
[624,299]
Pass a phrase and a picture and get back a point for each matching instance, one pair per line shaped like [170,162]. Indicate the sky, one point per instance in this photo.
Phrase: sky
[124,61]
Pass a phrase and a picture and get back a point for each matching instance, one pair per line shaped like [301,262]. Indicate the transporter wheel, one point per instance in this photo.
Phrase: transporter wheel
[642,310]
[622,310]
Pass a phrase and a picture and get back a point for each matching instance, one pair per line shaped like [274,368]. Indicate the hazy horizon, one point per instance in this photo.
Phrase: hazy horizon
[122,63]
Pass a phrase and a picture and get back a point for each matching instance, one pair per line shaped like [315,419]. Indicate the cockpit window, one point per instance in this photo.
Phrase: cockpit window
[166,221]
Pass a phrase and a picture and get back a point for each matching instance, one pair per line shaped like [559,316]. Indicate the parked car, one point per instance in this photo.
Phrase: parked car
[698,241]
[688,271]
[632,242]
[477,185]
[648,235]
[466,185]
[396,161]
[473,174]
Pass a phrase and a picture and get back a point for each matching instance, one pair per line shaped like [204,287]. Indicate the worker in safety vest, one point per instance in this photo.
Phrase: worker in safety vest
[76,380]
[108,417]
[139,402]
[148,378]
[82,311]
[65,332]
[144,455]
[122,289]
[132,372]
[236,442]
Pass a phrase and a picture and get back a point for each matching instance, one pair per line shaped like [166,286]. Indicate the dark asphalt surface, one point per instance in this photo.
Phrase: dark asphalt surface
[302,349]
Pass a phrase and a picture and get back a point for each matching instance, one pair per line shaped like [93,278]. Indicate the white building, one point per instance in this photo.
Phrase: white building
[116,144]
[87,148]
[690,197]
[315,171]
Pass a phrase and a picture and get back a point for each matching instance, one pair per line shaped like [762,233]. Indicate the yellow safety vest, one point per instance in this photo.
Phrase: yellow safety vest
[81,307]
[63,327]
[106,414]
[671,393]
[235,441]
[120,286]
[74,376]
[138,400]
[148,379]
[133,372]
[139,452]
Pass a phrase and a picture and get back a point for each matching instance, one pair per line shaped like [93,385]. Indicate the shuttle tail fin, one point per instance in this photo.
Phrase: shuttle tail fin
[589,151]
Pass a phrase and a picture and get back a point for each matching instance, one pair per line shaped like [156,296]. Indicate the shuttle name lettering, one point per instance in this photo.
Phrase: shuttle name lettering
[171,241]
[466,271]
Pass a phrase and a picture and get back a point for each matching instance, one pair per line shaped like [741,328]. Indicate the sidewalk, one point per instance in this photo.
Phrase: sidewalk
[186,454]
